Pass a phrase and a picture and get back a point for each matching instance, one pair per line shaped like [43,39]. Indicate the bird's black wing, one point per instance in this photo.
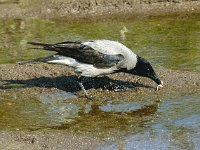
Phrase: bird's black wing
[83,53]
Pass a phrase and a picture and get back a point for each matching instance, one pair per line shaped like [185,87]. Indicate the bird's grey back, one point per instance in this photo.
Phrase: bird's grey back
[113,48]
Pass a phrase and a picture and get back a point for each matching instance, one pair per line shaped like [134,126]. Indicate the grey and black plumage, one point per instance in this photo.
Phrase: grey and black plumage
[99,57]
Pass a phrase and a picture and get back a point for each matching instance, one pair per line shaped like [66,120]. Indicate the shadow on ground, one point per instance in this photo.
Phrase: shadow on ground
[70,84]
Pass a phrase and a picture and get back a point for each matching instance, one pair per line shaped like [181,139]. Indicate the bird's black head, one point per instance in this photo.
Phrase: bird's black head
[144,68]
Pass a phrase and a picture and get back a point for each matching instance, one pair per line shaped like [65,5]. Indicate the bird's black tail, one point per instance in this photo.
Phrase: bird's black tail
[45,46]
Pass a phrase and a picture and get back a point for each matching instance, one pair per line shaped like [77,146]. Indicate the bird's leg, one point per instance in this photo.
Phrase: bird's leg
[80,79]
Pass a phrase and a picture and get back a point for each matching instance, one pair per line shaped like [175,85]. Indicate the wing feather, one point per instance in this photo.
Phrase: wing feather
[87,54]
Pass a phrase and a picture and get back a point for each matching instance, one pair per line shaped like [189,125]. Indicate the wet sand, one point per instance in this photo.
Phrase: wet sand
[47,140]
[98,9]
[34,79]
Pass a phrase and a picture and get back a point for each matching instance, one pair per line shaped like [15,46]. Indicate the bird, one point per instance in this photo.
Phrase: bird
[95,58]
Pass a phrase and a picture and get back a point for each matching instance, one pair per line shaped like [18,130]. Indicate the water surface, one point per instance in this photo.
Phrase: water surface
[166,42]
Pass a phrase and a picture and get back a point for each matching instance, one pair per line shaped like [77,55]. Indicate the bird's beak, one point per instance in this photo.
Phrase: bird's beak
[156,79]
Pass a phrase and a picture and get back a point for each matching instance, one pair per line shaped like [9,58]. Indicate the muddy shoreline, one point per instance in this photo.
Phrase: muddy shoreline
[33,79]
[98,9]
[48,140]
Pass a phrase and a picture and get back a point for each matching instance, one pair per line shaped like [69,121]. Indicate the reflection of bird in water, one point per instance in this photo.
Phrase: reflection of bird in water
[122,33]
[122,114]
[99,57]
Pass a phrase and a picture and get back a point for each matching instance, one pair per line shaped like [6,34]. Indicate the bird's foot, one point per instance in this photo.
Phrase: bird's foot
[84,95]
[89,97]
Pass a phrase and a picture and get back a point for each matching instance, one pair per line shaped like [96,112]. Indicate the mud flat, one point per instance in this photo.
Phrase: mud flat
[97,9]
[47,140]
[34,79]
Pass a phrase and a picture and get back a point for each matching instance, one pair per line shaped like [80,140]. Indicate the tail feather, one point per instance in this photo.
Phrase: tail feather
[45,46]
[69,49]
[39,44]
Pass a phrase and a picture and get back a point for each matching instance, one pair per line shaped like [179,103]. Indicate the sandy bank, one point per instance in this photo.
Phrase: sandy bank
[98,9]
[34,79]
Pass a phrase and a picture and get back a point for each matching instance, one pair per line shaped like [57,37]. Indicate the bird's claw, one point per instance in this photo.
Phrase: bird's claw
[89,97]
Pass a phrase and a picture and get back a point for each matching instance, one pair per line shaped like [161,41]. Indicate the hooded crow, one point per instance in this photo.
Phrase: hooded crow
[99,57]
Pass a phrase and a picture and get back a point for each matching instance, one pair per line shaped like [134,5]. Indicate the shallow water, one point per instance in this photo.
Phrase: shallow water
[172,122]
[165,42]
